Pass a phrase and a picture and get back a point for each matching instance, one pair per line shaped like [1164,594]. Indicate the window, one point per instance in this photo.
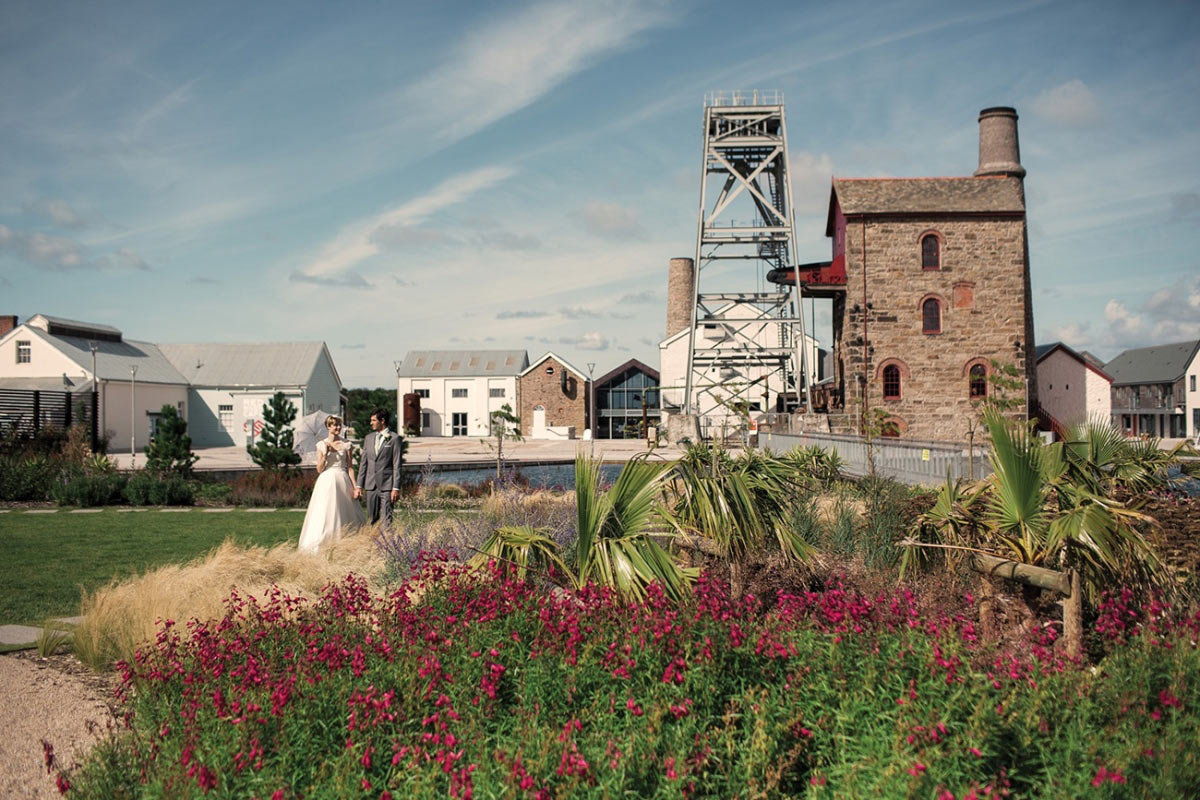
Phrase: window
[425,420]
[226,414]
[891,382]
[24,351]
[458,392]
[978,381]
[1192,383]
[931,256]
[496,392]
[931,316]
[422,393]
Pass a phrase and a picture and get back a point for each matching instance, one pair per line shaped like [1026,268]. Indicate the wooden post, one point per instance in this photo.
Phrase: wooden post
[987,608]
[1073,616]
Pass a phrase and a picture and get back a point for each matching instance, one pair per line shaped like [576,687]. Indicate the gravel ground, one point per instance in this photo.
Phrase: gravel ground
[56,699]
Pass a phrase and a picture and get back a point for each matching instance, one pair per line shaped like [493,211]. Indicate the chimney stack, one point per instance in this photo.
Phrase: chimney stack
[7,323]
[999,152]
[681,294]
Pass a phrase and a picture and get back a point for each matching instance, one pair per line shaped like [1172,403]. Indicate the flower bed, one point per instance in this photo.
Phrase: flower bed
[478,686]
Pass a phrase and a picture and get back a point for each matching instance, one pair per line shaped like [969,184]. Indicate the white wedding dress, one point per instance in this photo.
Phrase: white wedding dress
[332,507]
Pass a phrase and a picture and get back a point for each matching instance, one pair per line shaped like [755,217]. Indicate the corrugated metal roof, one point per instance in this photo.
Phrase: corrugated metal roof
[113,359]
[1165,363]
[245,364]
[928,195]
[71,323]
[462,363]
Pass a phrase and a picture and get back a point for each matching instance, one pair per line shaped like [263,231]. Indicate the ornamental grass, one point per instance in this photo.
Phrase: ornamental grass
[475,684]
[120,617]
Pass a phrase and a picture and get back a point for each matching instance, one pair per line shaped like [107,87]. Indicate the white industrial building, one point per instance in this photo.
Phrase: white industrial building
[459,389]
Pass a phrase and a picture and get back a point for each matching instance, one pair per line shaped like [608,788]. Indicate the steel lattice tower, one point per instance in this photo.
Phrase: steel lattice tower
[760,345]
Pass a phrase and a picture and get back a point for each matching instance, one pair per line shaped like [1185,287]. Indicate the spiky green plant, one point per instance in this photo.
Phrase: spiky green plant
[522,546]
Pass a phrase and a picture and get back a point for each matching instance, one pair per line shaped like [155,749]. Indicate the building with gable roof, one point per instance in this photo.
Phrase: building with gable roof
[1071,388]
[554,399]
[458,389]
[1155,391]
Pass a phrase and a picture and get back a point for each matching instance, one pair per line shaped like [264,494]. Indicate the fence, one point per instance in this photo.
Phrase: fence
[24,412]
[916,463]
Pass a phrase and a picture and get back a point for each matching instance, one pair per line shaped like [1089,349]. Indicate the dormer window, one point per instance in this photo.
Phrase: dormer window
[931,252]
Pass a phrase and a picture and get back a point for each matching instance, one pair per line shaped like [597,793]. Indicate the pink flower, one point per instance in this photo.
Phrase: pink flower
[916,769]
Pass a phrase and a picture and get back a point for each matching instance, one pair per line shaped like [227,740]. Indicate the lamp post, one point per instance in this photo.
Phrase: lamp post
[592,405]
[132,416]
[94,346]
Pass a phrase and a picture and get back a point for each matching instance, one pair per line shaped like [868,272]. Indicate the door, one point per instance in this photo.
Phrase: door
[539,422]
[458,423]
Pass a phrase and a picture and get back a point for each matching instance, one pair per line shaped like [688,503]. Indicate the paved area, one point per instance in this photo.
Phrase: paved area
[26,634]
[453,450]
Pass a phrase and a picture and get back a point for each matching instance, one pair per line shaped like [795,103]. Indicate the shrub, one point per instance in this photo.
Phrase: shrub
[28,478]
[148,489]
[89,491]
[273,488]
[213,494]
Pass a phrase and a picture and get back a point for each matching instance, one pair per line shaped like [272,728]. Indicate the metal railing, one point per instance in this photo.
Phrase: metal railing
[907,461]
[744,97]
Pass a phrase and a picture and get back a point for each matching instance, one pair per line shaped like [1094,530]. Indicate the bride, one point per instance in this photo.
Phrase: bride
[332,507]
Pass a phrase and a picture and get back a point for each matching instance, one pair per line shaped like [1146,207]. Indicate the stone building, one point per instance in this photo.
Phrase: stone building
[553,399]
[930,282]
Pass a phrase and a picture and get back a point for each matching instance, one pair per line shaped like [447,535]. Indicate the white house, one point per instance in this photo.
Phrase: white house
[134,379]
[219,389]
[765,383]
[459,389]
[228,384]
[1071,387]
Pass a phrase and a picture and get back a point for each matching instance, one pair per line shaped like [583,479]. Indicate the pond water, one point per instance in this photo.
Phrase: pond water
[540,476]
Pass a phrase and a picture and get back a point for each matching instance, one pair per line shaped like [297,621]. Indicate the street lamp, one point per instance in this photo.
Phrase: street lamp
[94,346]
[132,416]
[592,404]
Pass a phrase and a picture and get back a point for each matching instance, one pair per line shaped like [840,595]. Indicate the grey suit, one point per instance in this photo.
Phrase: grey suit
[379,474]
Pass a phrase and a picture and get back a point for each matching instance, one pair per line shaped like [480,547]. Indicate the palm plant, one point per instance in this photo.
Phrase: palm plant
[615,545]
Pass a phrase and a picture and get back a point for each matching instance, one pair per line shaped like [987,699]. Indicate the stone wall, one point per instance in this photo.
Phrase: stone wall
[563,406]
[982,288]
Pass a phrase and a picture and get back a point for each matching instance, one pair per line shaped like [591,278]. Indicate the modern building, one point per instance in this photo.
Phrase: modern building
[1071,388]
[929,281]
[228,385]
[459,389]
[627,401]
[553,399]
[1154,391]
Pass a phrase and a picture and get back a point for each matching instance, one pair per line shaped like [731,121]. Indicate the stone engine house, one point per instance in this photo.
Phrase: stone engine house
[930,282]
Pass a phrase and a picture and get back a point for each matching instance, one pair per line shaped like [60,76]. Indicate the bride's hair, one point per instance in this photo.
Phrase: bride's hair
[331,420]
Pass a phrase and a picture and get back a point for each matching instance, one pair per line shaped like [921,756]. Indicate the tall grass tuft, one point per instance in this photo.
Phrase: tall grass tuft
[120,617]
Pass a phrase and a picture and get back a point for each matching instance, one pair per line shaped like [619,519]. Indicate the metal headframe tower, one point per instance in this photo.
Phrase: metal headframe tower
[760,341]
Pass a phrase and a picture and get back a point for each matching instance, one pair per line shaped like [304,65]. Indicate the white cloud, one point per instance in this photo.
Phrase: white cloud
[347,280]
[58,212]
[506,240]
[513,62]
[1070,104]
[612,221]
[579,312]
[1121,320]
[127,259]
[812,175]
[592,340]
[521,314]
[359,240]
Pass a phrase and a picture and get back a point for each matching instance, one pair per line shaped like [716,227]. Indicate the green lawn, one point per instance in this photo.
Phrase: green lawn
[46,558]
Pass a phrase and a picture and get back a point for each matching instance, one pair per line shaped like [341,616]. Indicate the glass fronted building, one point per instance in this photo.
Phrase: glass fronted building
[627,401]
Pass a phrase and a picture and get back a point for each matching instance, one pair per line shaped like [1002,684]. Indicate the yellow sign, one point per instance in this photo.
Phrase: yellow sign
[925,454]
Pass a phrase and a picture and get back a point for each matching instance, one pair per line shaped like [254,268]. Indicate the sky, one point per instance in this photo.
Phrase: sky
[401,176]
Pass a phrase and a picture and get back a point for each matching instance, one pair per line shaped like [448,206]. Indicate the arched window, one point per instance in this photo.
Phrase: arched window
[977,380]
[931,316]
[891,382]
[931,252]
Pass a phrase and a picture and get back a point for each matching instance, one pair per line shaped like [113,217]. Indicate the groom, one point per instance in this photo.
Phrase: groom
[379,471]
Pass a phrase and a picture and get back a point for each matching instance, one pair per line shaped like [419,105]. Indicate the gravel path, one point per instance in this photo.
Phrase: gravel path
[56,699]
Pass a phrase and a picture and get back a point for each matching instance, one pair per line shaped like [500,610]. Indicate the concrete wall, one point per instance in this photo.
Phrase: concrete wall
[982,289]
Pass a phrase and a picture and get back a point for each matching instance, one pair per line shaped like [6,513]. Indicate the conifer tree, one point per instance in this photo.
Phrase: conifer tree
[273,450]
[171,448]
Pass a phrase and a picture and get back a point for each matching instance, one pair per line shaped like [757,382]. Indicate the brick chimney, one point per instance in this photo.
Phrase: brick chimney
[681,288]
[7,323]
[999,152]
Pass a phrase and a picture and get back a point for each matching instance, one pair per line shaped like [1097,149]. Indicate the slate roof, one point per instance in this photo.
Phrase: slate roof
[462,363]
[1085,358]
[633,362]
[1164,363]
[245,364]
[926,196]
[113,359]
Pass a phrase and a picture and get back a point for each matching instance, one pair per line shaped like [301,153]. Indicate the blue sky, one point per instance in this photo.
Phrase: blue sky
[454,175]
